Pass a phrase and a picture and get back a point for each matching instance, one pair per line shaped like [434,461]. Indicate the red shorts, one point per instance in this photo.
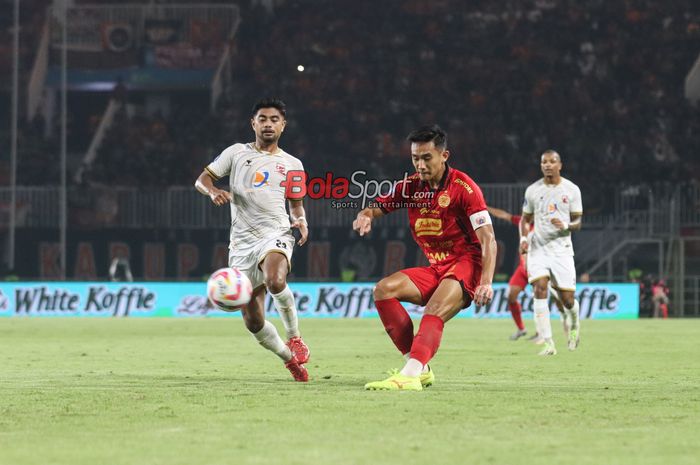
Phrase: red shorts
[519,278]
[465,270]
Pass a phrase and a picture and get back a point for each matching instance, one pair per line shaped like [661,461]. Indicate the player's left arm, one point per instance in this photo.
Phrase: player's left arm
[487,237]
[298,215]
[575,213]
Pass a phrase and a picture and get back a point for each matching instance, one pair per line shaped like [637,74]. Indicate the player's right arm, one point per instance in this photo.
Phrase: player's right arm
[217,169]
[363,223]
[205,185]
[385,204]
[525,225]
[526,220]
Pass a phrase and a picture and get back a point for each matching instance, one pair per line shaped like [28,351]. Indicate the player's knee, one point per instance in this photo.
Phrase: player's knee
[513,295]
[383,290]
[275,283]
[437,308]
[540,290]
[568,300]
[253,324]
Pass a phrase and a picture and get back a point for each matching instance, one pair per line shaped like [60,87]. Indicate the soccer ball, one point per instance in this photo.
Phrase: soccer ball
[229,289]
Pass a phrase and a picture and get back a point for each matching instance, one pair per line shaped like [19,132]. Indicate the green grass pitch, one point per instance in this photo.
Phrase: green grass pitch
[165,391]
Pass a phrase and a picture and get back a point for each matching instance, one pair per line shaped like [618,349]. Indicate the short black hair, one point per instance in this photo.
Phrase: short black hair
[433,134]
[270,102]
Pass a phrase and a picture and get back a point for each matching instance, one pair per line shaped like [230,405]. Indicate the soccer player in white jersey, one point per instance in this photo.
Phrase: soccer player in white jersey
[554,205]
[261,239]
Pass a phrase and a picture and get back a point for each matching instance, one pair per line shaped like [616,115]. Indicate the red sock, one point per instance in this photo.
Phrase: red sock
[664,310]
[397,323]
[427,341]
[516,313]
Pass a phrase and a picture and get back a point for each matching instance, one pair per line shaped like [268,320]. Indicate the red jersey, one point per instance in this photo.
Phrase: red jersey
[442,220]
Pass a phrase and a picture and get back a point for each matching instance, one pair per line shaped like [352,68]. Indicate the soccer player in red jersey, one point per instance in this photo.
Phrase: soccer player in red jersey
[449,221]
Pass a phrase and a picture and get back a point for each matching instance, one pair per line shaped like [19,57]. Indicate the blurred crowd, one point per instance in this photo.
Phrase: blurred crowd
[601,82]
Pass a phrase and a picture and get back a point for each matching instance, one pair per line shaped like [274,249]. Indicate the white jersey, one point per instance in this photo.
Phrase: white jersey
[548,201]
[258,208]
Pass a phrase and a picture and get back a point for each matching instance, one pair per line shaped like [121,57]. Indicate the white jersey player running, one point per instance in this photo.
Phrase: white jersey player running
[554,205]
[261,240]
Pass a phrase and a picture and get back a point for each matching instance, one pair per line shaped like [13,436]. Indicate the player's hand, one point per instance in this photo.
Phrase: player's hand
[219,196]
[559,224]
[303,228]
[483,295]
[362,224]
[523,247]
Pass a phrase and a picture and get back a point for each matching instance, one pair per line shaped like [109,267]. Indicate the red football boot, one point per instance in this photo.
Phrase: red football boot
[299,349]
[297,370]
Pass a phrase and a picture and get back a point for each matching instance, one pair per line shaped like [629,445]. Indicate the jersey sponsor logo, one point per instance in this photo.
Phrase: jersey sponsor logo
[437,256]
[428,227]
[465,185]
[438,245]
[428,211]
[260,178]
[444,200]
[551,208]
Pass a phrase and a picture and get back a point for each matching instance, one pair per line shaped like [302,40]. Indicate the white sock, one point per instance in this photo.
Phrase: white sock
[407,356]
[286,307]
[544,326]
[573,313]
[269,338]
[412,368]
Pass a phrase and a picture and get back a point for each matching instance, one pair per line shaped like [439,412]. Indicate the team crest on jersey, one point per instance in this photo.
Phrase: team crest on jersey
[260,178]
[564,199]
[444,200]
[280,168]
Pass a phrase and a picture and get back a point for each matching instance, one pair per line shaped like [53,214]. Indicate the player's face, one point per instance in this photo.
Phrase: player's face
[268,124]
[428,160]
[550,164]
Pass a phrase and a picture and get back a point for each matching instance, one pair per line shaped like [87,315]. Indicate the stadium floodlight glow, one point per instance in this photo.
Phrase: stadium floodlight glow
[300,68]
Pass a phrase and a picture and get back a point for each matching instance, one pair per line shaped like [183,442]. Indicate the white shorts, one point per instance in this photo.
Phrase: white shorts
[560,270]
[248,258]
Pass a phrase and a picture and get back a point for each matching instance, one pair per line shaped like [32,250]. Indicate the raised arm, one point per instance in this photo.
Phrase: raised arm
[205,185]
[484,292]
[298,215]
[363,223]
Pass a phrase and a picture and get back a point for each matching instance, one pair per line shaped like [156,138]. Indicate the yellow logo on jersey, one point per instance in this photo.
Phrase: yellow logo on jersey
[428,227]
[444,200]
[465,185]
[437,256]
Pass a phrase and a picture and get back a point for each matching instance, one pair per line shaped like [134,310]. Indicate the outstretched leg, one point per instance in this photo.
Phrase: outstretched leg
[275,268]
[266,334]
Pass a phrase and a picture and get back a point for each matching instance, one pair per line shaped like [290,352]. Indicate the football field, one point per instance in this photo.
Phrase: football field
[165,391]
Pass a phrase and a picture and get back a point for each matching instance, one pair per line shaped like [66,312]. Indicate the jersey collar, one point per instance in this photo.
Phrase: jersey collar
[252,145]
